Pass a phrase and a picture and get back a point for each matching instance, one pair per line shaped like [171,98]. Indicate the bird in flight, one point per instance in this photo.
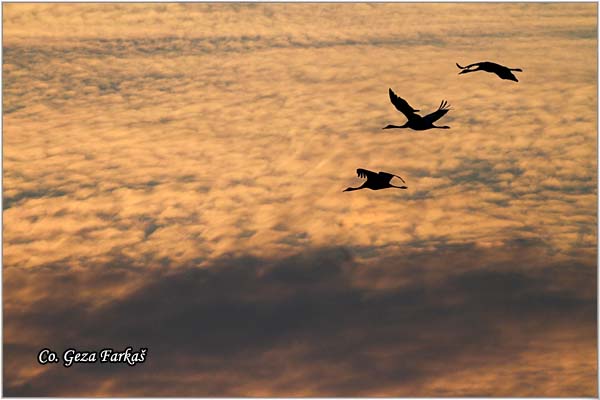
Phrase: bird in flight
[375,181]
[500,70]
[415,121]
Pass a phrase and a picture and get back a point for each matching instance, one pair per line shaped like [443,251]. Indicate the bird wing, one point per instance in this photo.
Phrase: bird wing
[439,113]
[468,66]
[402,105]
[388,177]
[365,173]
[506,74]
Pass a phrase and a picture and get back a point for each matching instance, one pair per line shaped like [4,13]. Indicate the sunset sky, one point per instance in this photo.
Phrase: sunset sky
[173,176]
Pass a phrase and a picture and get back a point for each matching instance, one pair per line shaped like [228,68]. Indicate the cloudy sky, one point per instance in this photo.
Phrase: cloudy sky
[173,176]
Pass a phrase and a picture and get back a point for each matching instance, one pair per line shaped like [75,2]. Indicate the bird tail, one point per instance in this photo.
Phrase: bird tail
[460,66]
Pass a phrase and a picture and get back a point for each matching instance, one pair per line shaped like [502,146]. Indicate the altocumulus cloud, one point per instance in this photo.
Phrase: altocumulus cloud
[173,176]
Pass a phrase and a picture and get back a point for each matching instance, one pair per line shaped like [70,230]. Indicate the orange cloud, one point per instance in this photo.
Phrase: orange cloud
[156,139]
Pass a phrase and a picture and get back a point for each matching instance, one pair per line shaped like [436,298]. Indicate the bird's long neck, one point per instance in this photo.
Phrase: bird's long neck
[441,127]
[396,126]
[398,187]
[351,188]
[516,69]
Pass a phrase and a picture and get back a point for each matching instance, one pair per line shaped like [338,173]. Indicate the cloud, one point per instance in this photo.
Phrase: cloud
[156,150]
[306,324]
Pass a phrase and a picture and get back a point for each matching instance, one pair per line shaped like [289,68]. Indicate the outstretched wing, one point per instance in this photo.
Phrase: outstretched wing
[402,105]
[439,113]
[505,73]
[365,173]
[388,177]
[468,66]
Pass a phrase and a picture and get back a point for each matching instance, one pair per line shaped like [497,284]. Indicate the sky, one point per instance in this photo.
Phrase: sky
[173,177]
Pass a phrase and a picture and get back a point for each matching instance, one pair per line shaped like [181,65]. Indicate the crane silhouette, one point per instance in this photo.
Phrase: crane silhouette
[500,70]
[375,181]
[415,121]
